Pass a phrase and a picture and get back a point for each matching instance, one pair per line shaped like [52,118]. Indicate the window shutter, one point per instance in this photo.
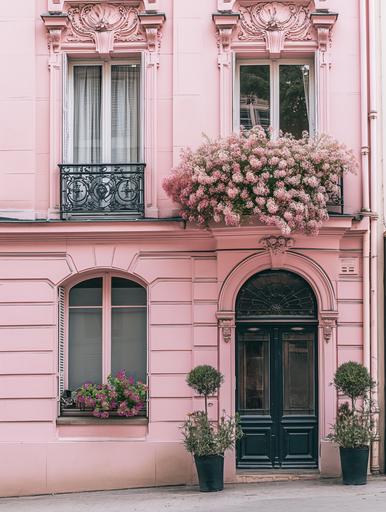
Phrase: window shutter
[61,341]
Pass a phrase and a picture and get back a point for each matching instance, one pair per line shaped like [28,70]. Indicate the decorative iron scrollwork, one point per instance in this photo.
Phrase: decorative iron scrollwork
[274,294]
[102,188]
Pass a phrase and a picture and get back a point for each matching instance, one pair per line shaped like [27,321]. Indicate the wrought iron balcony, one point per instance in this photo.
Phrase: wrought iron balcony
[97,190]
[336,205]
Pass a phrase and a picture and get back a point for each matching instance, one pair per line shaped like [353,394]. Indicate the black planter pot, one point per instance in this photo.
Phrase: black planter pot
[210,470]
[354,462]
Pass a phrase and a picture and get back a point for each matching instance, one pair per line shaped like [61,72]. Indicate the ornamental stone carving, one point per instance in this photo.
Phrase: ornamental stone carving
[226,323]
[277,244]
[104,24]
[275,22]
[328,323]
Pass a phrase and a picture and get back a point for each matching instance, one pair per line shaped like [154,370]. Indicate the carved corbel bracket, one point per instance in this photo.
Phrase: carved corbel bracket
[323,21]
[277,247]
[55,24]
[328,320]
[226,324]
[152,24]
[225,24]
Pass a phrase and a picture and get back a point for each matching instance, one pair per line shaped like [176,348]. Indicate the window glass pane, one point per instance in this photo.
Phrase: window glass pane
[87,114]
[127,293]
[255,96]
[294,99]
[128,341]
[298,374]
[87,293]
[125,83]
[85,347]
[253,371]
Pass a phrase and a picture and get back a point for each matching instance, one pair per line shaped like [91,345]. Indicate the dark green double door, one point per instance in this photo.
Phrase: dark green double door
[276,394]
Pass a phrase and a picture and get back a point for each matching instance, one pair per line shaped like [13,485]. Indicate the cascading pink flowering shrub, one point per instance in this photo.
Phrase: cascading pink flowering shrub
[285,182]
[121,394]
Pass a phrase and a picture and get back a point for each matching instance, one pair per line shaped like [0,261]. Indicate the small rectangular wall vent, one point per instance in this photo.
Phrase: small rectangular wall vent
[349,266]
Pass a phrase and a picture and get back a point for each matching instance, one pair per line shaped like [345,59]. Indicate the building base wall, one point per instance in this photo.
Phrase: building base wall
[74,466]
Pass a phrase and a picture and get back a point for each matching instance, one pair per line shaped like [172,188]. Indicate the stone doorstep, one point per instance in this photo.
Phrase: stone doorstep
[250,477]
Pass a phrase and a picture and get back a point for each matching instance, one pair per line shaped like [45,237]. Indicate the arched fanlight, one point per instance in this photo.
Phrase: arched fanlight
[275,294]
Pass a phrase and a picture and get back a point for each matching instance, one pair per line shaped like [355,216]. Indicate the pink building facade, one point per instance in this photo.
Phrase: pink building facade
[98,272]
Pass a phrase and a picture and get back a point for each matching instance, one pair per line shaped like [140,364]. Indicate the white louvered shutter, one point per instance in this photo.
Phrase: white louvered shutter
[61,341]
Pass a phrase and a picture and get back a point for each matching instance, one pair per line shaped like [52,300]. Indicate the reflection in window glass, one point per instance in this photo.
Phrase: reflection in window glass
[294,99]
[298,374]
[85,346]
[255,96]
[128,341]
[253,372]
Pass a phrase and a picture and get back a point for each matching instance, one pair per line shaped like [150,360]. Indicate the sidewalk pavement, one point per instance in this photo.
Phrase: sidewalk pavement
[292,496]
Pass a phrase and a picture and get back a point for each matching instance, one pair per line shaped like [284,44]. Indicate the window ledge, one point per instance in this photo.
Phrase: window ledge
[90,420]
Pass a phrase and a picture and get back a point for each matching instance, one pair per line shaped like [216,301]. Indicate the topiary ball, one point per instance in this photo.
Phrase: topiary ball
[353,380]
[205,379]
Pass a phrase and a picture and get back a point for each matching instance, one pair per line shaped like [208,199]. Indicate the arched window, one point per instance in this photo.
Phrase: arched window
[106,330]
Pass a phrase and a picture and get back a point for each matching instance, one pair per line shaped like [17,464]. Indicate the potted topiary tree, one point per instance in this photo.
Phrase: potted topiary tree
[354,428]
[207,440]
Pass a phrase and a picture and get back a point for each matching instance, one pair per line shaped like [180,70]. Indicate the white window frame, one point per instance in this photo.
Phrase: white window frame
[275,90]
[106,324]
[68,130]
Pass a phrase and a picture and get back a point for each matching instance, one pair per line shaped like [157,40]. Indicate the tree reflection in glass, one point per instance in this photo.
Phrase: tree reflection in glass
[294,99]
[255,96]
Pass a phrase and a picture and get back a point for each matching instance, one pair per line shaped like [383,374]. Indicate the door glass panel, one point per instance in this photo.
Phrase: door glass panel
[255,96]
[294,99]
[298,374]
[253,371]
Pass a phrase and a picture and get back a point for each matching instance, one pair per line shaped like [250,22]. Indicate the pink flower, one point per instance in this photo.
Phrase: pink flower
[232,192]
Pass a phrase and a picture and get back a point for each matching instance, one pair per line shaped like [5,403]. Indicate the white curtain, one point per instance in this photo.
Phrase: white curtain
[87,114]
[306,85]
[125,83]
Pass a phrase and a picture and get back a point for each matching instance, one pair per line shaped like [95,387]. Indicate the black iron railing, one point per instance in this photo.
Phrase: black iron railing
[336,204]
[101,189]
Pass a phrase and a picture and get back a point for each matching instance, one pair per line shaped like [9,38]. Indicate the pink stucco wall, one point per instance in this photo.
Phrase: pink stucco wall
[192,275]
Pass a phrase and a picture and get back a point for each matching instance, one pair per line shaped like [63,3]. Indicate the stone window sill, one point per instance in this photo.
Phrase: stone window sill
[91,420]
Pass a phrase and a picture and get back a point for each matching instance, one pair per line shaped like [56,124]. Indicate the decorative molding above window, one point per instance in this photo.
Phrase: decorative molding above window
[104,25]
[273,26]
[275,22]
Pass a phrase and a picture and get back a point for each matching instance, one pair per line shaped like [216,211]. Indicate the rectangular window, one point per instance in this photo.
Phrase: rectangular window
[104,113]
[277,95]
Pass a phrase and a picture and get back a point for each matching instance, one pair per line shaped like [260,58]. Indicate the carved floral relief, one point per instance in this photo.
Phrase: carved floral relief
[290,19]
[104,24]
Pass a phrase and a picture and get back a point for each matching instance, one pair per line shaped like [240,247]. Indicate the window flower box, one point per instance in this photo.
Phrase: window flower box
[284,182]
[122,396]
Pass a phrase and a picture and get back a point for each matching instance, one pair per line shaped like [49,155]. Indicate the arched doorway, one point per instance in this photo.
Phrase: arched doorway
[276,372]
